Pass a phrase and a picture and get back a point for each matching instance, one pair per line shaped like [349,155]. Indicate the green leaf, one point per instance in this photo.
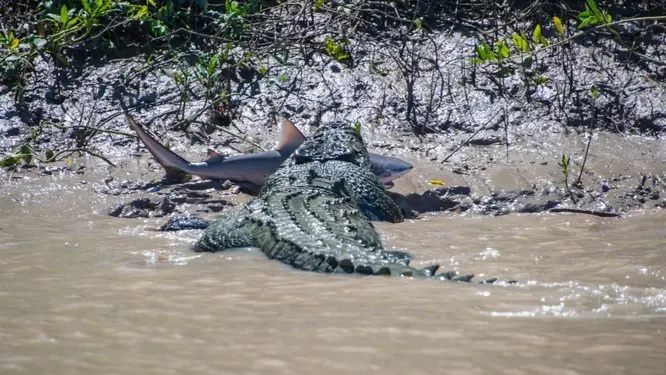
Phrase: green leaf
[491,54]
[86,6]
[594,92]
[515,38]
[335,50]
[6,37]
[543,41]
[591,4]
[564,164]
[158,28]
[520,42]
[502,49]
[418,24]
[526,45]
[318,4]
[344,56]
[540,80]
[484,52]
[212,64]
[64,15]
[10,160]
[26,153]
[357,127]
[592,15]
[586,22]
[481,53]
[138,12]
[89,22]
[536,34]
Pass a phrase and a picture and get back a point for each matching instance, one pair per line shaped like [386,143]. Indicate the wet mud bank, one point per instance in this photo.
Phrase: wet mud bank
[497,134]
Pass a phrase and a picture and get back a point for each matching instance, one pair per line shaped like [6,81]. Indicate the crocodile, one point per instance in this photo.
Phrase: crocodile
[315,213]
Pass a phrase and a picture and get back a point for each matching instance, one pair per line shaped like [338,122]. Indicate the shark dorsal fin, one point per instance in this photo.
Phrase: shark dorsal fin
[212,155]
[290,136]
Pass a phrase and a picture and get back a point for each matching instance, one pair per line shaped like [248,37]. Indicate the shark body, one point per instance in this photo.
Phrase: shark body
[251,170]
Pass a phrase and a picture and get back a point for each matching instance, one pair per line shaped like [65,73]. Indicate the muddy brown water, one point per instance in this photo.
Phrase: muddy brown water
[84,293]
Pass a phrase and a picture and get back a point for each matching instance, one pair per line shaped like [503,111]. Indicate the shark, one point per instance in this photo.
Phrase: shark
[251,170]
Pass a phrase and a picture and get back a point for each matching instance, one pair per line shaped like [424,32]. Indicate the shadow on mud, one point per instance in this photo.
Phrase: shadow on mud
[611,199]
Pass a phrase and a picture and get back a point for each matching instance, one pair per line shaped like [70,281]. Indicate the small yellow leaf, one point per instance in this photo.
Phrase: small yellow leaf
[15,43]
[558,24]
[436,182]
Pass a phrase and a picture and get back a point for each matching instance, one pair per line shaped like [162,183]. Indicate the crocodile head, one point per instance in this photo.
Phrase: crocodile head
[335,141]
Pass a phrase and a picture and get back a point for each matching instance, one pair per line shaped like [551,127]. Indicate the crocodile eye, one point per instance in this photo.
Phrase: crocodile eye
[302,155]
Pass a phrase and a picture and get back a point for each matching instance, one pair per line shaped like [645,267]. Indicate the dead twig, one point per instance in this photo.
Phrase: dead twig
[472,136]
[241,138]
[588,212]
[57,155]
[88,127]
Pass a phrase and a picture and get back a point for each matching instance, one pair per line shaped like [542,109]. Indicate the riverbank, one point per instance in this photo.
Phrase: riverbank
[496,131]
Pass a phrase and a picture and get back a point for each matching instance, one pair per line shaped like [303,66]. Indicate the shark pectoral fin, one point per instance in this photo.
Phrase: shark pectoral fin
[174,176]
[213,156]
[249,188]
[290,136]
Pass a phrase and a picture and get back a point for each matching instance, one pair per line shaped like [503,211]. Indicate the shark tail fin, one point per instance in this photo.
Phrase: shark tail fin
[176,167]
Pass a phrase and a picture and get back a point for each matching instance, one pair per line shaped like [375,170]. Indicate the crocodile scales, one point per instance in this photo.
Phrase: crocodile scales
[314,213]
